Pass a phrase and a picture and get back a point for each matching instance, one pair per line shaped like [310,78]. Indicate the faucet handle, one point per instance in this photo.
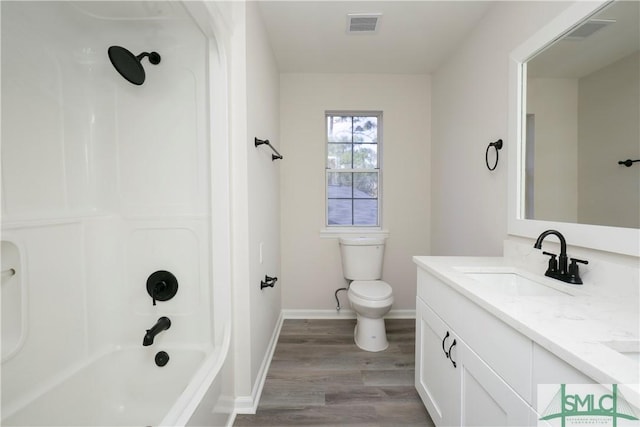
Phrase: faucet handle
[553,263]
[581,261]
[574,271]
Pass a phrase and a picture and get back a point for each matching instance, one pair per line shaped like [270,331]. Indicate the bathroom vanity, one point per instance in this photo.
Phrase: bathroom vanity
[489,332]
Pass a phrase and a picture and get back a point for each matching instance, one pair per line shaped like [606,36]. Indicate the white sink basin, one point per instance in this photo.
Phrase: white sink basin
[513,284]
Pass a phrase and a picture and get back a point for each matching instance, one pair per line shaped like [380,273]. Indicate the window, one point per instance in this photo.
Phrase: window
[353,169]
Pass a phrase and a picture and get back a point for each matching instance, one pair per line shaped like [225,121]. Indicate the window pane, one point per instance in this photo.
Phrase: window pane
[365,185]
[365,212]
[339,185]
[339,156]
[365,156]
[352,197]
[365,129]
[339,129]
[340,212]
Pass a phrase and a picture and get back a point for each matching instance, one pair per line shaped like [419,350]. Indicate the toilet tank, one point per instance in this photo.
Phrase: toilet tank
[362,257]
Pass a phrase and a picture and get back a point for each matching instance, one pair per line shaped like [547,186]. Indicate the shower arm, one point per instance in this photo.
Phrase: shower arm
[154,57]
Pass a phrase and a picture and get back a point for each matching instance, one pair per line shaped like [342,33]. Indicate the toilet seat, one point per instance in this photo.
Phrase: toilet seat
[372,290]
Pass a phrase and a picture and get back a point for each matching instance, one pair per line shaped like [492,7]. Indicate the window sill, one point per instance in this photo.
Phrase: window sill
[336,232]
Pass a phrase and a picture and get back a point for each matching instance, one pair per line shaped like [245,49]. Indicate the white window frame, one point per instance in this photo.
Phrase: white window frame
[331,230]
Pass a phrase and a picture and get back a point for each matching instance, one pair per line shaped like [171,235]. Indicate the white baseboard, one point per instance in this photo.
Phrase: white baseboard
[249,404]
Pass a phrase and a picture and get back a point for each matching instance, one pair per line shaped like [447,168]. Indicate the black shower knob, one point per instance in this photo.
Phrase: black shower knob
[162,286]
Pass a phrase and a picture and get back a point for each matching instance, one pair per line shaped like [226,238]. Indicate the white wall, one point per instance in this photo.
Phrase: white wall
[554,103]
[469,203]
[609,111]
[263,90]
[311,266]
[256,201]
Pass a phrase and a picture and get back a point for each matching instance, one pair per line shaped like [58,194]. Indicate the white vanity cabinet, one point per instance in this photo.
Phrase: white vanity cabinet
[456,385]
[483,351]
[462,384]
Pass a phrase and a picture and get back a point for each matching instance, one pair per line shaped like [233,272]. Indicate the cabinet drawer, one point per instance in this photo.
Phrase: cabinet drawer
[505,350]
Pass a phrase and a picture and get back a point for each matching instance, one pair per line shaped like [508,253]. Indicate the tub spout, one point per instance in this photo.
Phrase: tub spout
[162,324]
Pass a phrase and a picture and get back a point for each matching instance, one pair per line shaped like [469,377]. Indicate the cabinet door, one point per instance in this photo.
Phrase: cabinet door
[437,380]
[486,399]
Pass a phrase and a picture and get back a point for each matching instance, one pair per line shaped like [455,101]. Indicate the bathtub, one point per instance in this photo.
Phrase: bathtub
[124,387]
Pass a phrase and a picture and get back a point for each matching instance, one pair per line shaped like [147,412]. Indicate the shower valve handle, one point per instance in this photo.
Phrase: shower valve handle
[162,286]
[158,289]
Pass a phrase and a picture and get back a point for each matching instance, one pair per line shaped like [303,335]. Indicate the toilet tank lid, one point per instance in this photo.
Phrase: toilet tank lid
[361,241]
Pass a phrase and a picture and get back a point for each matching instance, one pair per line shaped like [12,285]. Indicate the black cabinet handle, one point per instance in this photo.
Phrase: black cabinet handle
[449,354]
[443,340]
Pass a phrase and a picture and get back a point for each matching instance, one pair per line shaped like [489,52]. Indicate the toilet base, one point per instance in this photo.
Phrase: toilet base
[370,334]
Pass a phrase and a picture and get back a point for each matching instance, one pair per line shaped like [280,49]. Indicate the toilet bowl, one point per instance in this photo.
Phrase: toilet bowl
[371,300]
[370,297]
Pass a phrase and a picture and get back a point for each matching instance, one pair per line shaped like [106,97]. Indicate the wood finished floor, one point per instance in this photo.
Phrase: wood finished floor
[319,377]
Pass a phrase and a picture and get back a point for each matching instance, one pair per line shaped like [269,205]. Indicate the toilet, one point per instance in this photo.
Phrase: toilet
[370,297]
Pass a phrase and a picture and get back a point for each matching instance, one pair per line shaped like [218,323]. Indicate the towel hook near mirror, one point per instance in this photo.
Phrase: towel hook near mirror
[498,146]
[628,163]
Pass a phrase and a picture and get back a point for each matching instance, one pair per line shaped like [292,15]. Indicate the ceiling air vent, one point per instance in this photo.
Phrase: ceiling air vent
[362,22]
[588,28]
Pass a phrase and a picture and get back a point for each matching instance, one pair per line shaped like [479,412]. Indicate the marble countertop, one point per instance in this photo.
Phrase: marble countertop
[580,327]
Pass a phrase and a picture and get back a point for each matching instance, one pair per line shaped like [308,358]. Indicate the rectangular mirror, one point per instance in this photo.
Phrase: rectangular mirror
[581,115]
[574,115]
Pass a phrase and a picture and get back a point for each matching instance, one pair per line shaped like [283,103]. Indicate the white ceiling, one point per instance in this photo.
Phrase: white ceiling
[569,58]
[310,36]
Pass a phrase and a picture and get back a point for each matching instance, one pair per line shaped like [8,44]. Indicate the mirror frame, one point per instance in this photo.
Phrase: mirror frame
[611,239]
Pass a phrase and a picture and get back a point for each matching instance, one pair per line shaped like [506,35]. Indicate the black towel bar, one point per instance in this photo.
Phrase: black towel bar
[266,142]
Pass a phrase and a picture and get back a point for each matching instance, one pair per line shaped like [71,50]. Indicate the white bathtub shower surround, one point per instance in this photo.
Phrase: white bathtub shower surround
[580,325]
[104,183]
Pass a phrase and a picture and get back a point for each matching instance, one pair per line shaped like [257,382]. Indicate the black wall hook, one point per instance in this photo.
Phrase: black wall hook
[628,163]
[498,146]
[268,282]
